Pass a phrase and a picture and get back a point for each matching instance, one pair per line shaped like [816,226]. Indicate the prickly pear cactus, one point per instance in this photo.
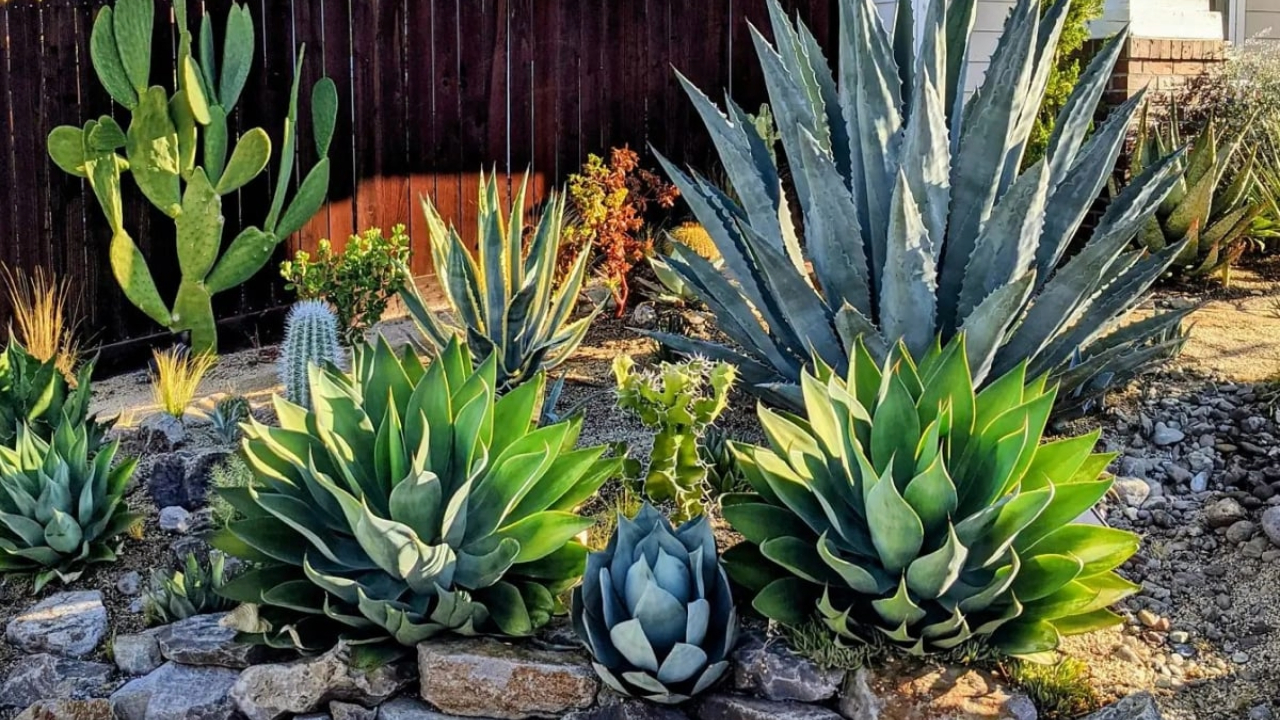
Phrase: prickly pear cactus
[175,148]
[310,338]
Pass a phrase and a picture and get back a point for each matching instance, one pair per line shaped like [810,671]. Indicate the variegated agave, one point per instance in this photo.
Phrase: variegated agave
[409,501]
[907,508]
[61,503]
[916,218]
[506,301]
[655,609]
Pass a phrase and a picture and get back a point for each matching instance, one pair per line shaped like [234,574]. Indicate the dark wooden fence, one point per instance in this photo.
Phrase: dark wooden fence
[431,91]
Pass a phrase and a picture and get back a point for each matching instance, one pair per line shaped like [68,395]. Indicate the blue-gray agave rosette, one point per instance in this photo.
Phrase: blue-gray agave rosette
[655,609]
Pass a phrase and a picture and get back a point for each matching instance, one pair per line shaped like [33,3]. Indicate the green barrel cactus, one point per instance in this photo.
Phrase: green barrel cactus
[680,401]
[175,149]
[310,338]
[906,508]
[655,609]
[62,507]
[409,502]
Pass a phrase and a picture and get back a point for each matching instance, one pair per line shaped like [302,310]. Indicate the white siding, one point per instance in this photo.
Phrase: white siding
[987,26]
[1260,16]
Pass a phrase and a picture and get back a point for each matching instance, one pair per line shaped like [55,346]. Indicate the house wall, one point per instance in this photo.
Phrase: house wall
[986,32]
[1261,16]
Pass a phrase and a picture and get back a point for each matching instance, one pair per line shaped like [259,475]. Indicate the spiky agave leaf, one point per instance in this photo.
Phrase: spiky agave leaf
[410,500]
[655,609]
[917,220]
[909,508]
[506,300]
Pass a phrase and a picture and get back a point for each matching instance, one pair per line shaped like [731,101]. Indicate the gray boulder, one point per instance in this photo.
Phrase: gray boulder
[279,690]
[202,640]
[773,671]
[1139,706]
[48,677]
[177,692]
[137,654]
[70,624]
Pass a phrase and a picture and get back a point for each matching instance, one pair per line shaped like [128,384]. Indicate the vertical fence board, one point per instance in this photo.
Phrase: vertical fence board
[430,92]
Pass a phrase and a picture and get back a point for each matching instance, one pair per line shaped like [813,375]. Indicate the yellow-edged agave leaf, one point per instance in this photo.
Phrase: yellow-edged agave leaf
[972,539]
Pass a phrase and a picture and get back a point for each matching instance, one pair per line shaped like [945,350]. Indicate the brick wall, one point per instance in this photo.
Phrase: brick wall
[1163,65]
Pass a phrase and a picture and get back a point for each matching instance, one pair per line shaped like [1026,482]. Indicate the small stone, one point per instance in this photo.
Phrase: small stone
[137,654]
[1179,637]
[775,672]
[1148,618]
[278,690]
[1260,712]
[1139,706]
[402,709]
[644,316]
[742,707]
[1126,653]
[627,709]
[129,583]
[941,692]
[1131,491]
[484,677]
[48,677]
[71,624]
[1164,435]
[203,640]
[177,692]
[339,710]
[1240,658]
[1200,482]
[1241,531]
[176,519]
[96,709]
[1224,512]
[162,430]
[1271,524]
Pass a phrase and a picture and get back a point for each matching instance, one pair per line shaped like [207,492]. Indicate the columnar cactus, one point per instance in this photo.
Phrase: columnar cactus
[310,338]
[165,135]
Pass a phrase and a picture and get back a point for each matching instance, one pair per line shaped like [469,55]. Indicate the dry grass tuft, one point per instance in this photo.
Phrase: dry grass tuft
[176,377]
[46,318]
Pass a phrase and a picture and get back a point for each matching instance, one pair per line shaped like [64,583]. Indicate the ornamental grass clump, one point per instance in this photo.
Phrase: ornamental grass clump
[176,378]
[908,509]
[917,220]
[409,501]
[655,609]
[62,506]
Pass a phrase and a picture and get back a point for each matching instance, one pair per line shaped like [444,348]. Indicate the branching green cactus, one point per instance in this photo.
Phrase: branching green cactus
[680,401]
[165,137]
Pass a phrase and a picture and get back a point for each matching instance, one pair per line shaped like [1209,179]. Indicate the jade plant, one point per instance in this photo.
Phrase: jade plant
[175,148]
[906,508]
[655,609]
[410,501]
[680,401]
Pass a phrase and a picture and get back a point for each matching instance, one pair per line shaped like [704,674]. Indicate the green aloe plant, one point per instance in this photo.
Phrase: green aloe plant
[175,148]
[917,220]
[1216,221]
[505,296]
[175,595]
[36,395]
[908,508]
[409,501]
[655,609]
[61,503]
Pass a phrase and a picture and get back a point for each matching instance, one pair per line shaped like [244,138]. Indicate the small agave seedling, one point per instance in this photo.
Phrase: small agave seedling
[655,609]
[909,509]
[165,136]
[227,415]
[179,594]
[680,401]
